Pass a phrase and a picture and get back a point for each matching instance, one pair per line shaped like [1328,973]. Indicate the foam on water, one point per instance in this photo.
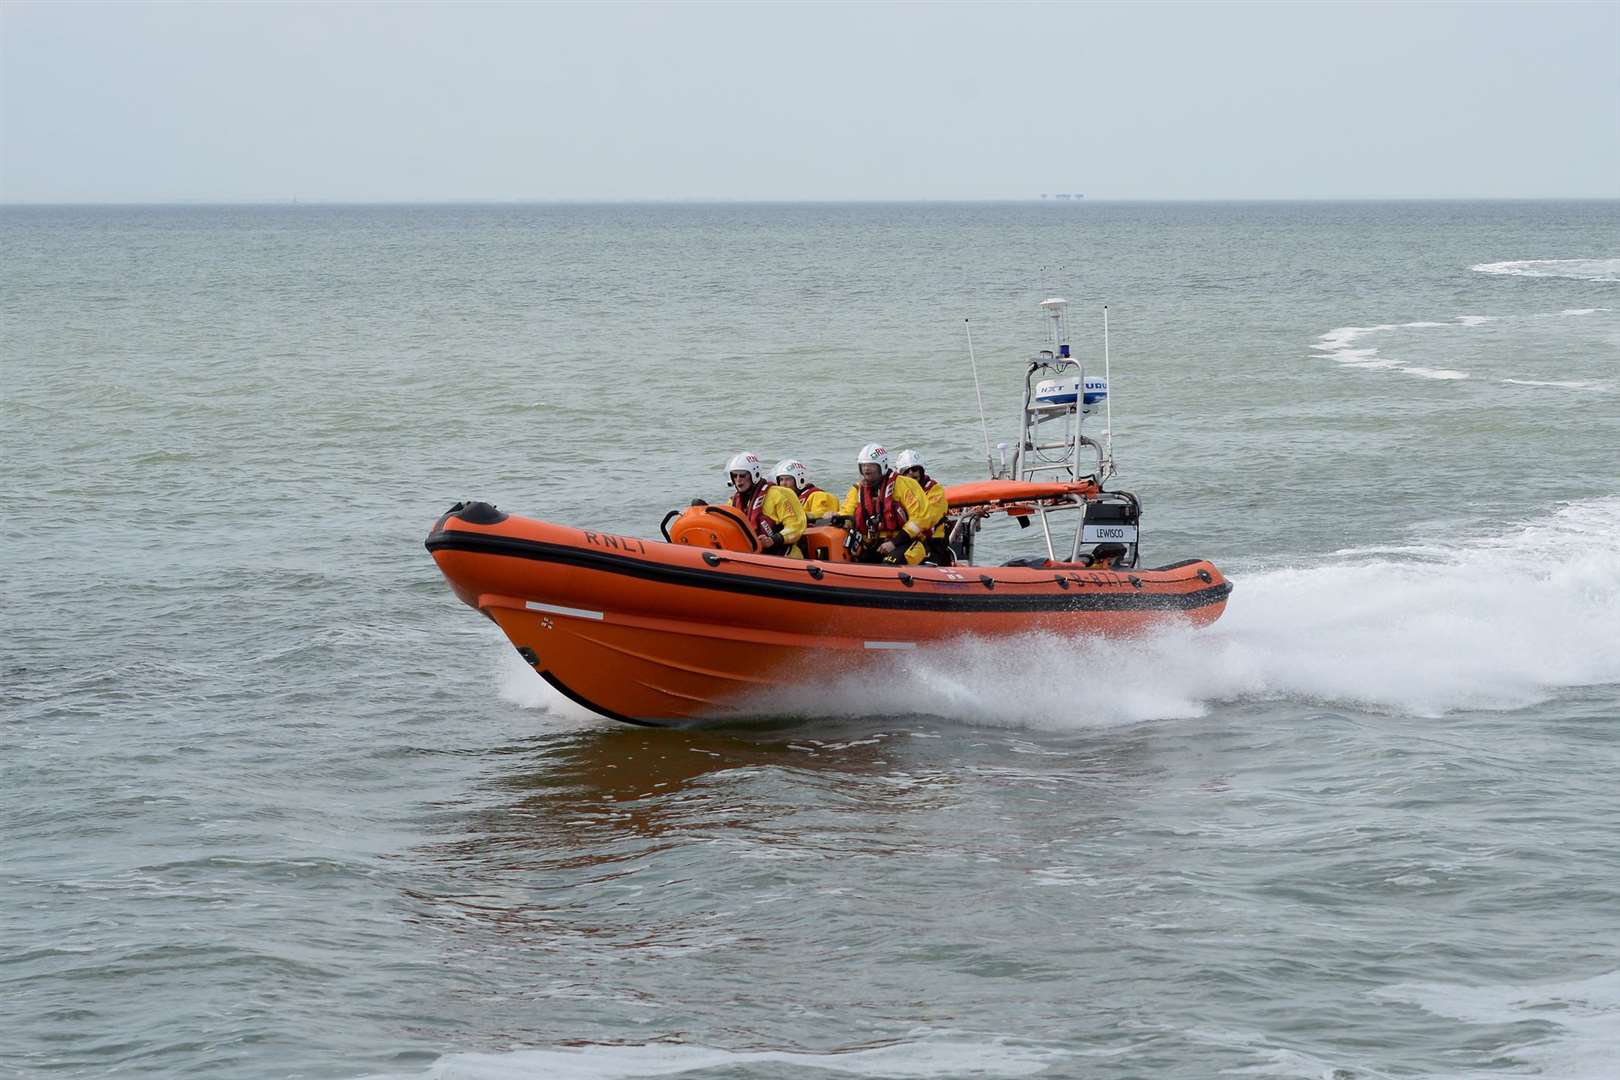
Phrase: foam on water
[1584,1015]
[517,683]
[1339,345]
[1574,269]
[1494,622]
[1345,347]
[1564,384]
[928,1057]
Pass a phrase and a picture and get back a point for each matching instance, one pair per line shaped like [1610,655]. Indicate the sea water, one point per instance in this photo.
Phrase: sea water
[274,804]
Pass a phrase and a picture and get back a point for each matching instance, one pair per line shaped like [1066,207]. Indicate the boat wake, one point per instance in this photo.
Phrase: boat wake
[1572,269]
[1578,1022]
[1493,622]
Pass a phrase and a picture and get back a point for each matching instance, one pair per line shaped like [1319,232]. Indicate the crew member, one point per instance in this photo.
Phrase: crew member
[885,509]
[818,505]
[910,463]
[773,511]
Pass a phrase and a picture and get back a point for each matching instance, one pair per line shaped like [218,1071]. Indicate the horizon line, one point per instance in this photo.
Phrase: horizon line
[707,201]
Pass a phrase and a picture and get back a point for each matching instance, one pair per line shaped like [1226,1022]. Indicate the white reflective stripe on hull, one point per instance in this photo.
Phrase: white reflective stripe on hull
[891,644]
[578,613]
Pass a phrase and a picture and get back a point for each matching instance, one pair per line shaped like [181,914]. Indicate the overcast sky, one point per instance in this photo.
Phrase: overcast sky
[403,102]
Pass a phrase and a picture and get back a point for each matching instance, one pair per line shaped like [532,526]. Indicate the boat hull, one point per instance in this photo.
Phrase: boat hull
[656,633]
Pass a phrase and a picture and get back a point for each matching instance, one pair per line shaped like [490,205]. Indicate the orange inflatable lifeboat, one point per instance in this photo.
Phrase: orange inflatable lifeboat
[701,624]
[661,632]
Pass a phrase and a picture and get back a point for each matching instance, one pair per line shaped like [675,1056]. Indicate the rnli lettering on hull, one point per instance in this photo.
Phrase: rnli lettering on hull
[615,543]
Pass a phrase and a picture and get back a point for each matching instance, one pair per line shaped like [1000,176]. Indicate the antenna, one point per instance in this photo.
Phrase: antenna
[1056,309]
[1108,403]
[983,423]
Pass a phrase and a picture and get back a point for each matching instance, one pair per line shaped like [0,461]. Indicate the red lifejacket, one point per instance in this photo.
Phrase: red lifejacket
[752,505]
[807,491]
[880,504]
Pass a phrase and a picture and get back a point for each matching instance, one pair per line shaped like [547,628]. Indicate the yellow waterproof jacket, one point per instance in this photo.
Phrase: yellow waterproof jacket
[819,504]
[783,509]
[909,494]
[938,506]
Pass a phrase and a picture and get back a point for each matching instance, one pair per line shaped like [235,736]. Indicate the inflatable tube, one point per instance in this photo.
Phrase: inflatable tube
[652,632]
[983,492]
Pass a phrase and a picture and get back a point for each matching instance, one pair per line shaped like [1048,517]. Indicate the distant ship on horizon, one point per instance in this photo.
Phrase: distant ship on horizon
[1044,195]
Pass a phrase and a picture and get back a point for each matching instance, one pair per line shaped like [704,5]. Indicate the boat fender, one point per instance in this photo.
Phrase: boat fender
[481,513]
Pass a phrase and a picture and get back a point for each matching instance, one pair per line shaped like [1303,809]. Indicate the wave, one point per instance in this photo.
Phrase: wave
[1492,622]
[1339,345]
[1564,384]
[1579,1020]
[920,1059]
[1572,269]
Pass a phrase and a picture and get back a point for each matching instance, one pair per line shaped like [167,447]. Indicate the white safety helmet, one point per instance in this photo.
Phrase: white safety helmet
[873,454]
[795,469]
[747,462]
[909,459]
